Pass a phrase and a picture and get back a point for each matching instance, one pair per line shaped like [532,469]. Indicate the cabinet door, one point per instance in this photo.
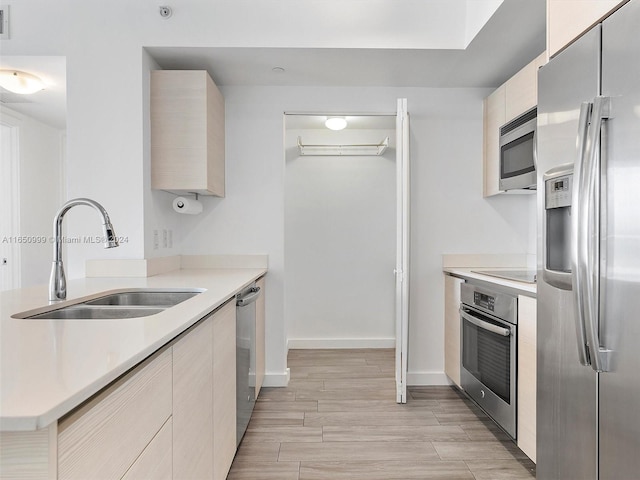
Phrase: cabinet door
[527,375]
[260,335]
[494,118]
[187,133]
[452,327]
[102,438]
[155,461]
[568,19]
[224,389]
[193,402]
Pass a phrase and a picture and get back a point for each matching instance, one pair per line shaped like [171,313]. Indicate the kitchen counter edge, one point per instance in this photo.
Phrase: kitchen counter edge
[35,369]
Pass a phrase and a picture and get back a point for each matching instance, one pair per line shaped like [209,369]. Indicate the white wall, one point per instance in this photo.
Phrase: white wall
[449,214]
[40,169]
[340,238]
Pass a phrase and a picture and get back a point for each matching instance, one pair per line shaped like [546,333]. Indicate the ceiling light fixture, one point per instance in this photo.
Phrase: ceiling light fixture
[20,82]
[336,123]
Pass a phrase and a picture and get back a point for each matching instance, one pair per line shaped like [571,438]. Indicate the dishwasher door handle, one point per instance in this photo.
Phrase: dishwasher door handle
[249,298]
[505,332]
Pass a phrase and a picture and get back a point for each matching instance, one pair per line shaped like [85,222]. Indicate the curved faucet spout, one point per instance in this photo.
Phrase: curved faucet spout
[57,281]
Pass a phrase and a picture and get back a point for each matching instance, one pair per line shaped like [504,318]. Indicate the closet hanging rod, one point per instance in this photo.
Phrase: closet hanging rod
[347,149]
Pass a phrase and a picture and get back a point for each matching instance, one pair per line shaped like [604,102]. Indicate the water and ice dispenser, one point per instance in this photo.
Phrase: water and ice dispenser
[558,191]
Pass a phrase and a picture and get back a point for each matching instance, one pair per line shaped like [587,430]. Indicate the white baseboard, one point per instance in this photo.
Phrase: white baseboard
[427,378]
[325,343]
[277,379]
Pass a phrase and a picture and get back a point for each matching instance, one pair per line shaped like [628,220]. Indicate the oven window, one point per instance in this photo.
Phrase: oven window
[516,158]
[487,356]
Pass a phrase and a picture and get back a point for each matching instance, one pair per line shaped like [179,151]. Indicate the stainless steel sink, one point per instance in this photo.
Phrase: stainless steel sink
[87,312]
[114,304]
[148,298]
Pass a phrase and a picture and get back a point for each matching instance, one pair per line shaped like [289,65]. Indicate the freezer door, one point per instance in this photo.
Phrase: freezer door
[567,390]
[619,323]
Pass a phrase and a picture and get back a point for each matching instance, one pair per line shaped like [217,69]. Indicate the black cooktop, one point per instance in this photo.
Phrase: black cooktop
[527,276]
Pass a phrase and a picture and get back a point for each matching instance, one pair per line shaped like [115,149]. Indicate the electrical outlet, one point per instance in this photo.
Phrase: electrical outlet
[156,242]
[164,238]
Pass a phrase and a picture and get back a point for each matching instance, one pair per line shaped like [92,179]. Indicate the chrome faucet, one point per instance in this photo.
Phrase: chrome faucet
[57,281]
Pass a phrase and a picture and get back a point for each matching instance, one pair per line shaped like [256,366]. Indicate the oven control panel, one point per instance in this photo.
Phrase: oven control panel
[490,301]
[484,300]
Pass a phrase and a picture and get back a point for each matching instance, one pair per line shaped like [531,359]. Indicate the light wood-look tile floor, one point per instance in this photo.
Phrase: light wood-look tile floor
[338,419]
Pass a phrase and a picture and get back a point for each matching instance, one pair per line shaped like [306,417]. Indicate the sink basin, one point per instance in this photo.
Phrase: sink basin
[97,313]
[144,298]
[114,304]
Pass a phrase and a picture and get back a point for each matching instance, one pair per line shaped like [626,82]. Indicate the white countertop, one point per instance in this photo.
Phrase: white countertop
[48,367]
[469,273]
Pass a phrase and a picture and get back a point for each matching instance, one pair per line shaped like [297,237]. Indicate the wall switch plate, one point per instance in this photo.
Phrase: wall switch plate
[4,22]
[164,238]
[156,240]
[170,241]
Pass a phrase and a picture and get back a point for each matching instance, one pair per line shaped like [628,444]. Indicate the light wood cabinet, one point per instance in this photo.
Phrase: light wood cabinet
[171,416]
[493,119]
[204,397]
[568,19]
[452,327]
[187,133]
[522,89]
[527,375]
[507,102]
[155,461]
[260,335]
[103,437]
[224,389]
[193,402]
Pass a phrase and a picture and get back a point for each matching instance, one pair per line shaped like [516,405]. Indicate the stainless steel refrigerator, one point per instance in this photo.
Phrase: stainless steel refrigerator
[588,163]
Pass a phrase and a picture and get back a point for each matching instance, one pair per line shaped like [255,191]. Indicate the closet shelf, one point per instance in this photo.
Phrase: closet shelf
[362,149]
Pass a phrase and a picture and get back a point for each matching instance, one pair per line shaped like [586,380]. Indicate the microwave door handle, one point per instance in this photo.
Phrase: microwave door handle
[579,234]
[505,332]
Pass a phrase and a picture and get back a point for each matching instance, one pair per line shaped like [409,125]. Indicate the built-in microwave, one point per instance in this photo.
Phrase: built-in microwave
[517,152]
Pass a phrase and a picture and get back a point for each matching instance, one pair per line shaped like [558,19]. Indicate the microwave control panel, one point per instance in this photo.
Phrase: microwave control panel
[558,191]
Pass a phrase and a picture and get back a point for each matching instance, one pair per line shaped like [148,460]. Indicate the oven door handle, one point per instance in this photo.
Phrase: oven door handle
[505,332]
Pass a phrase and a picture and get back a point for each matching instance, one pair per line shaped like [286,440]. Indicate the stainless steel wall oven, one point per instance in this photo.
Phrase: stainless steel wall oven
[488,352]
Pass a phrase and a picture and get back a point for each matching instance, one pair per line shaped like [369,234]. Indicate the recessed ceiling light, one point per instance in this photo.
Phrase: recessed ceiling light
[20,82]
[336,123]
[277,69]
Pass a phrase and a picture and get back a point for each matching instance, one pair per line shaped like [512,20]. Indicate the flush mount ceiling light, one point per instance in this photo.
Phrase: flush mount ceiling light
[336,123]
[20,82]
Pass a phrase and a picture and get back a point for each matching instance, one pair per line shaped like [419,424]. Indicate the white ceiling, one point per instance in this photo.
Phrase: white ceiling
[400,43]
[512,37]
[354,122]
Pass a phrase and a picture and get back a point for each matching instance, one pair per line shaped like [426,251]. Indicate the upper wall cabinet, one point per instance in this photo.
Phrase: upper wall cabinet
[187,133]
[568,19]
[511,99]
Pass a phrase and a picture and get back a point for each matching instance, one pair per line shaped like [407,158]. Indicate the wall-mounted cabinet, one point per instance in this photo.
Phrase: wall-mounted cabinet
[511,99]
[568,19]
[187,133]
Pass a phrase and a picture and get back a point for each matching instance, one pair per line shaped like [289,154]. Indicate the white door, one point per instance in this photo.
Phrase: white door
[9,194]
[402,249]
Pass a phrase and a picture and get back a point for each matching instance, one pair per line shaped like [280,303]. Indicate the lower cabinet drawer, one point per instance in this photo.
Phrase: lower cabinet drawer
[102,438]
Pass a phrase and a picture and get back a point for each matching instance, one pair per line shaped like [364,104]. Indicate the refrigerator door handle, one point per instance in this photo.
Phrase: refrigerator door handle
[578,234]
[590,256]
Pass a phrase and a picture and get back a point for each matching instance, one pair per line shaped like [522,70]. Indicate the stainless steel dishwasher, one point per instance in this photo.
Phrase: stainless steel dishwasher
[245,357]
